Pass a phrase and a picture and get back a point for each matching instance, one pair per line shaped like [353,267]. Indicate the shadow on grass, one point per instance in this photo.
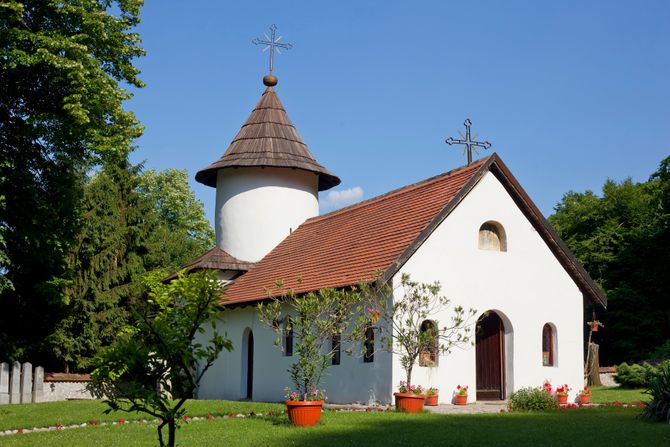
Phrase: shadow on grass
[606,427]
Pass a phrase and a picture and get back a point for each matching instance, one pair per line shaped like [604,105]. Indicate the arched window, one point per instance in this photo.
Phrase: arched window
[369,344]
[492,237]
[428,355]
[288,337]
[548,345]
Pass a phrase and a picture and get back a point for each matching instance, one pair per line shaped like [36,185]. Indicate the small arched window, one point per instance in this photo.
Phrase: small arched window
[428,355]
[288,337]
[548,345]
[492,237]
[369,344]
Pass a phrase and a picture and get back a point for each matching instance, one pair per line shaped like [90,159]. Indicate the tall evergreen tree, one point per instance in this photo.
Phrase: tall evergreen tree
[107,262]
[61,68]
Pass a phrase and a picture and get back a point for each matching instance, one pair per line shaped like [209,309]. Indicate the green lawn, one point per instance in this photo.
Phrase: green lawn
[589,427]
[610,394]
[75,412]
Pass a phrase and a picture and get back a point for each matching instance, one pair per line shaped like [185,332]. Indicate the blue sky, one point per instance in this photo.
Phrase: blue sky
[570,93]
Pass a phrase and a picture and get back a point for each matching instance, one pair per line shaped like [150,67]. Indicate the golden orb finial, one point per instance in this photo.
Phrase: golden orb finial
[270,80]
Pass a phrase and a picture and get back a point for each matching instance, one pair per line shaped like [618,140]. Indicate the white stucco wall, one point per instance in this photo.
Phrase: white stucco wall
[352,380]
[526,286]
[256,208]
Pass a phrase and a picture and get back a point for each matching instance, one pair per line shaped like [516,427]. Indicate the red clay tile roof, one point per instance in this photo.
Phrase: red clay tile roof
[214,259]
[268,139]
[65,377]
[349,245]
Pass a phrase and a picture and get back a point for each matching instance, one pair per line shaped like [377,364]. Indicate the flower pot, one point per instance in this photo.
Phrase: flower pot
[431,401]
[409,403]
[304,413]
[461,399]
[594,328]
[584,398]
[562,398]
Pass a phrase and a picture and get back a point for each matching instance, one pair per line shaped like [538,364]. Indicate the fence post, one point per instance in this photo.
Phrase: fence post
[4,383]
[27,383]
[38,385]
[15,384]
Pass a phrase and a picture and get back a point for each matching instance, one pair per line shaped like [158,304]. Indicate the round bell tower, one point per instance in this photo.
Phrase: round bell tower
[267,182]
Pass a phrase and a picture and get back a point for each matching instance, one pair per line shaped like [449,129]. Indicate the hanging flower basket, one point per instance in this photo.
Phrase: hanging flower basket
[409,403]
[304,413]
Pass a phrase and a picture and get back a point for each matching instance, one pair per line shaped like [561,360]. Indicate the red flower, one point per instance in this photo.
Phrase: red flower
[122,421]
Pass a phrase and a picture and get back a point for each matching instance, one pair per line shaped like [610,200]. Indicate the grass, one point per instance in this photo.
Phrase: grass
[610,394]
[593,427]
[48,414]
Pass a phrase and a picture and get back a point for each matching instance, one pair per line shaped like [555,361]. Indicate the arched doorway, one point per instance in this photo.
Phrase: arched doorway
[490,352]
[247,364]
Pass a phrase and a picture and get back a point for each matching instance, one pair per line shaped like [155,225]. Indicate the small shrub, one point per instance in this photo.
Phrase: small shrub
[531,399]
[659,389]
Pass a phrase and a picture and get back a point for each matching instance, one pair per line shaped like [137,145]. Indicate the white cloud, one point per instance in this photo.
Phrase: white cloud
[338,199]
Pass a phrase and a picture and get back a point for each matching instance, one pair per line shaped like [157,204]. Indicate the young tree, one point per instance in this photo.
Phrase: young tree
[155,360]
[314,319]
[400,321]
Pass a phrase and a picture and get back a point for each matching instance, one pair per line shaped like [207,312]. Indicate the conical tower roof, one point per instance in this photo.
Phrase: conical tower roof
[268,139]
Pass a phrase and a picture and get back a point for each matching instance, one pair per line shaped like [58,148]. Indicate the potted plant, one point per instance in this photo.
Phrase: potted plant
[400,321]
[585,395]
[432,396]
[461,397]
[409,398]
[562,394]
[314,318]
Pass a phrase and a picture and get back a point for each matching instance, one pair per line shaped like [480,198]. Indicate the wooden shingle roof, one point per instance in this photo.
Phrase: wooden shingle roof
[268,139]
[214,259]
[348,246]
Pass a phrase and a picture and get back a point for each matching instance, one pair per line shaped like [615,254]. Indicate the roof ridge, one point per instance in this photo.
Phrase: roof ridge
[393,192]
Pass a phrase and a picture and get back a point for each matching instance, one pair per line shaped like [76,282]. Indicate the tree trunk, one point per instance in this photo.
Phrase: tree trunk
[409,376]
[593,367]
[172,431]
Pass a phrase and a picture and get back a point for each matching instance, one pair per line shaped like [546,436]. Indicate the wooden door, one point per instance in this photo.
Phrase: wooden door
[490,352]
[250,365]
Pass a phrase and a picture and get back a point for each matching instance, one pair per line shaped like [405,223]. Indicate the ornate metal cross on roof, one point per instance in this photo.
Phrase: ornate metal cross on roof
[468,142]
[272,43]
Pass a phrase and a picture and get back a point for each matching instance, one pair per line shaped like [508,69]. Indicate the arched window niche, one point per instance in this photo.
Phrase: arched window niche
[549,344]
[492,237]
[428,356]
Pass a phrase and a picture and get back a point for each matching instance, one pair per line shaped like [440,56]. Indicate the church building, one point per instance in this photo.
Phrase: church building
[474,229]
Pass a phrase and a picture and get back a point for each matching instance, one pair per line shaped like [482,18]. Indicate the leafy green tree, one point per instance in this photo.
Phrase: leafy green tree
[107,262]
[623,241]
[153,361]
[61,96]
[401,323]
[184,232]
[314,318]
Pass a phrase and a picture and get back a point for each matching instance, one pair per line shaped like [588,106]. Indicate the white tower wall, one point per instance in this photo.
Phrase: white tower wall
[256,208]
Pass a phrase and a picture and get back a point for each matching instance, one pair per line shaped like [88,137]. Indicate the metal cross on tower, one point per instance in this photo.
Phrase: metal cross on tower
[468,142]
[272,43]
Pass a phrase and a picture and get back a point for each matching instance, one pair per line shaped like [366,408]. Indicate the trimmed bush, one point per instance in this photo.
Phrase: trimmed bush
[637,376]
[659,389]
[531,399]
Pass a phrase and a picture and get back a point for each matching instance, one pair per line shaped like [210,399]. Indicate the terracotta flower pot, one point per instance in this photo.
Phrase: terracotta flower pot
[409,403]
[594,328]
[461,399]
[431,401]
[304,413]
[584,398]
[562,398]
